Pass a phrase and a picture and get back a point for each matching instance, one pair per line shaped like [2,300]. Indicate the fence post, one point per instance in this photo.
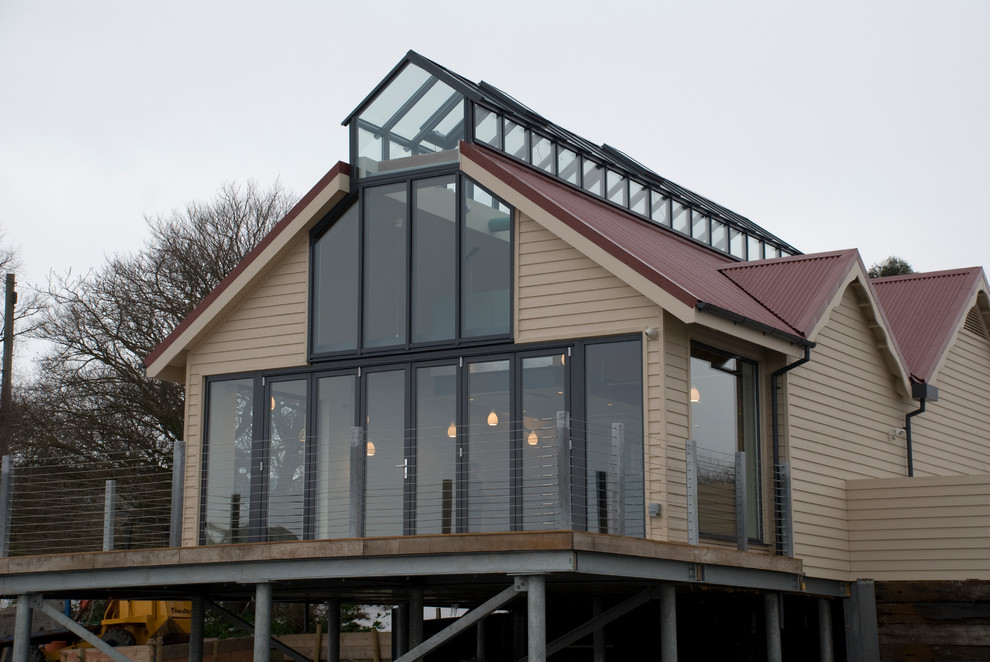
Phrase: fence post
[358,460]
[618,444]
[563,452]
[691,478]
[109,506]
[178,484]
[6,503]
[742,538]
[786,520]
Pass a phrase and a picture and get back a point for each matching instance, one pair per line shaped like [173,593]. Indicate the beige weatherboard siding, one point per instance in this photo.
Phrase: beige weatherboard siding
[561,294]
[842,406]
[934,527]
[265,330]
[953,435]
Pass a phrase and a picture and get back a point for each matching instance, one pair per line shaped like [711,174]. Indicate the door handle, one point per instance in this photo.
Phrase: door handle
[405,467]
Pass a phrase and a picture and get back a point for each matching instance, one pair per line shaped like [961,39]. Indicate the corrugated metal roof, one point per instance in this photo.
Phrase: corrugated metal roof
[796,289]
[786,294]
[924,310]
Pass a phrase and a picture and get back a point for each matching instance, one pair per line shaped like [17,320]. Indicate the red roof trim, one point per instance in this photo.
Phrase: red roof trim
[340,168]
[481,156]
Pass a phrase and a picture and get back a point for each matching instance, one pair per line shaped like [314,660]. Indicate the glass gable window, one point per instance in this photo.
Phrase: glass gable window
[417,262]
[416,120]
[724,420]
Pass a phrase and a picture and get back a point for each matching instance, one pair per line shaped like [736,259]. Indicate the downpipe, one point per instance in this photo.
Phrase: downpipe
[775,436]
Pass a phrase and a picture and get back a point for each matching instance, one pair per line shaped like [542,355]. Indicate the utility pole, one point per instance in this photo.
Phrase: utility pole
[8,362]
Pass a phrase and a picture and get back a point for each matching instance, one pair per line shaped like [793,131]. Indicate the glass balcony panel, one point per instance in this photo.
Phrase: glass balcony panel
[614,394]
[567,165]
[335,418]
[615,188]
[488,440]
[288,444]
[436,449]
[720,236]
[593,177]
[516,140]
[385,455]
[543,380]
[659,208]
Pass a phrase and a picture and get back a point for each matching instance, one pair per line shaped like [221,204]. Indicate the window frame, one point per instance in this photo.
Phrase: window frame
[409,178]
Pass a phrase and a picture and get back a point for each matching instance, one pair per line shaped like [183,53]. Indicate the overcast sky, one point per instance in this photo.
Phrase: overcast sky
[833,125]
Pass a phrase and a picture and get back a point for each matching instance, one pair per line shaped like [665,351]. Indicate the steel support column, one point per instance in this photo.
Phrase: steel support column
[862,639]
[536,618]
[668,623]
[22,629]
[480,645]
[333,631]
[826,651]
[196,616]
[415,616]
[598,637]
[771,609]
[262,622]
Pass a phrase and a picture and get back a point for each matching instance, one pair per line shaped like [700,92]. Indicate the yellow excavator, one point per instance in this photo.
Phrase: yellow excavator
[126,623]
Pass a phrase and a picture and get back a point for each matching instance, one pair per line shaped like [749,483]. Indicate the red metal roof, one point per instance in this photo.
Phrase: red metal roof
[786,294]
[796,289]
[924,310]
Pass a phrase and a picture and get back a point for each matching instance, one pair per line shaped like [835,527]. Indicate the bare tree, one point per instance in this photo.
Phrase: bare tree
[92,386]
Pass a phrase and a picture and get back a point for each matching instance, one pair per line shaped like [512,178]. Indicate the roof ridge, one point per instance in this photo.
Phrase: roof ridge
[923,275]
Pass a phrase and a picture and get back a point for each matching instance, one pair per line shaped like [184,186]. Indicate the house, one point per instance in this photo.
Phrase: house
[487,363]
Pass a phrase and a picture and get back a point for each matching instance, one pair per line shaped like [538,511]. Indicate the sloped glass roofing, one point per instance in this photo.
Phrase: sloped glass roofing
[418,113]
[414,120]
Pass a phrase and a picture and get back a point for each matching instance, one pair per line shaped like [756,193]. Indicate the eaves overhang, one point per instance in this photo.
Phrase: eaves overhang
[167,361]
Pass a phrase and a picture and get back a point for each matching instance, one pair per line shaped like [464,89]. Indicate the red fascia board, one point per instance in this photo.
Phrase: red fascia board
[481,157]
[340,168]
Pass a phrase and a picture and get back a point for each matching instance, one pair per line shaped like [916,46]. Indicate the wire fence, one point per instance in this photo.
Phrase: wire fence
[58,504]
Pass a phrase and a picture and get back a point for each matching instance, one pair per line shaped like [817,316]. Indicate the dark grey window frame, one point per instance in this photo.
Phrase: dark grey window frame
[574,398]
[407,177]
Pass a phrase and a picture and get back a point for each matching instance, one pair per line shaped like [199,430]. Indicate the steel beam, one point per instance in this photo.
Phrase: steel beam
[81,632]
[597,622]
[463,623]
[236,621]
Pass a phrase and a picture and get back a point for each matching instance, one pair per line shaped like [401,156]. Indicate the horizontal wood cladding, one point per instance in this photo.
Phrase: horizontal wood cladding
[563,294]
[266,329]
[841,407]
[953,435]
[936,527]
